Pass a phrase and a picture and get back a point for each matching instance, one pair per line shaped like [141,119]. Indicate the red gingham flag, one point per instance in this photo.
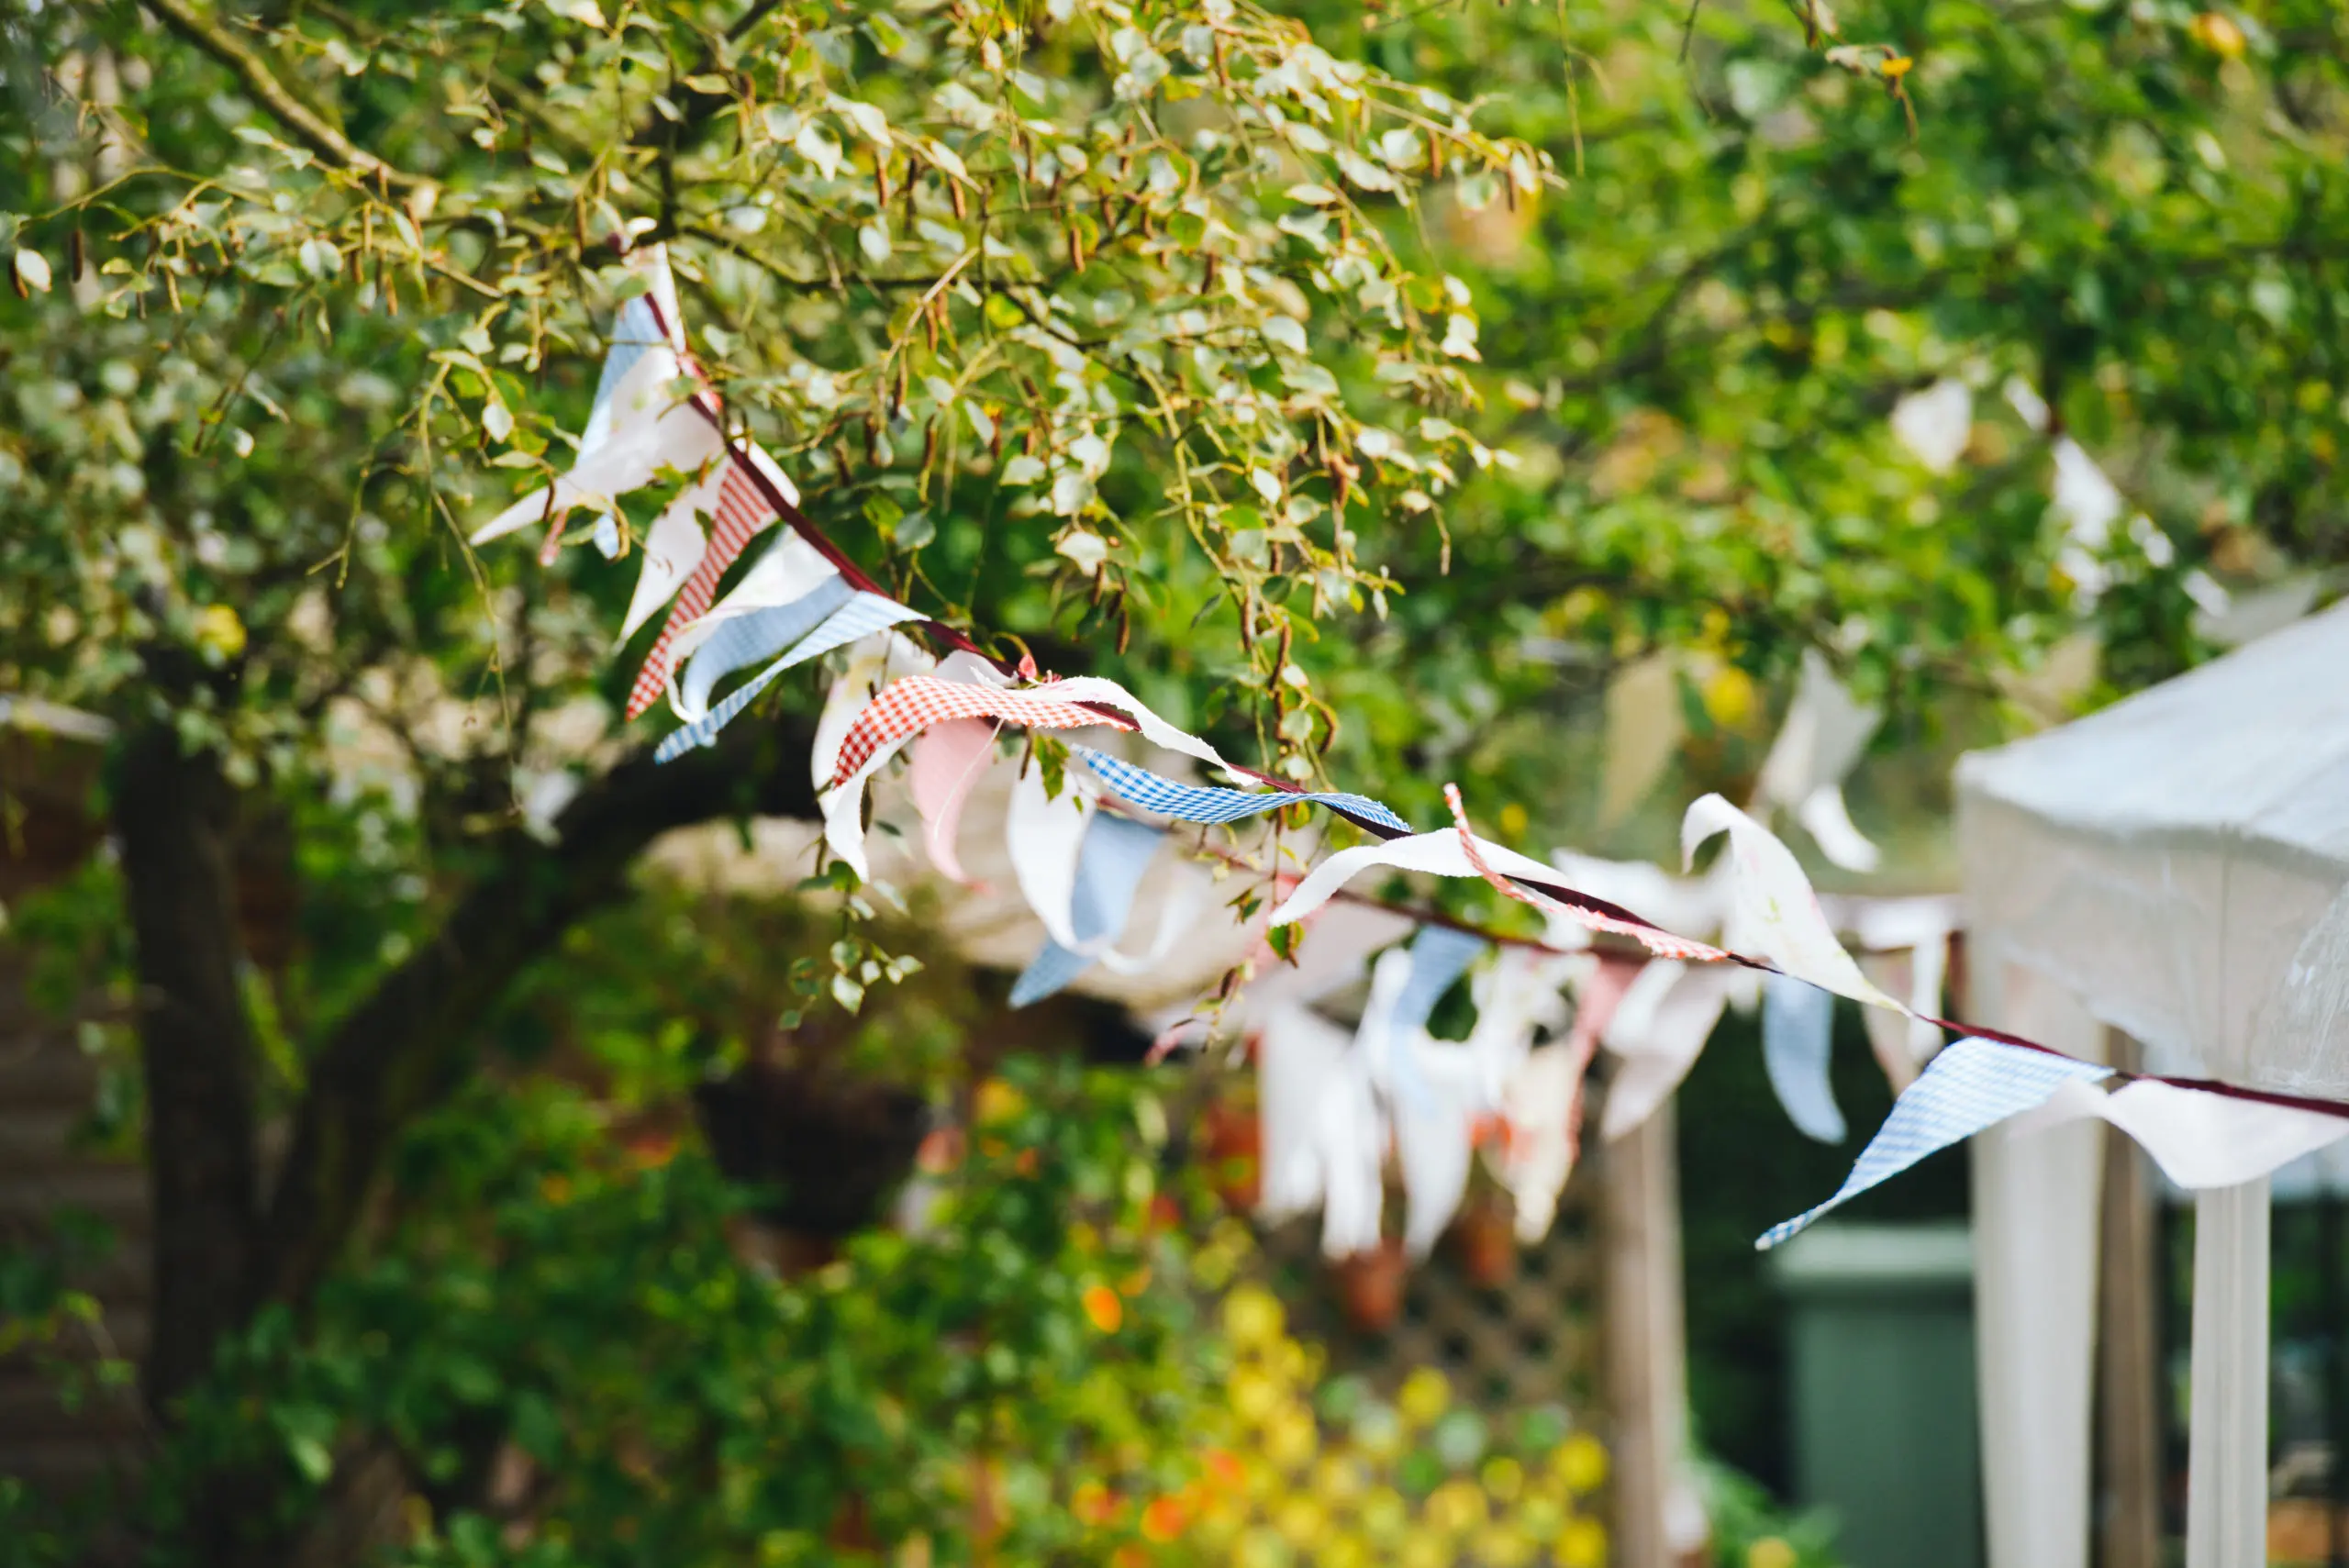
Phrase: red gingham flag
[743,511]
[916,702]
[1661,942]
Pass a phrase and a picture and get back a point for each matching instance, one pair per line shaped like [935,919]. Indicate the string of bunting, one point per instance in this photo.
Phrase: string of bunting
[1334,1103]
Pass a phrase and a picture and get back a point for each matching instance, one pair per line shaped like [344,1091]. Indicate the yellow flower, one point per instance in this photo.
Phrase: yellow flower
[1301,1522]
[2218,34]
[1251,1317]
[219,633]
[1346,1552]
[1456,1508]
[1290,1438]
[1340,1478]
[1581,1463]
[998,1101]
[1424,1396]
[1254,1396]
[1505,1547]
[1422,1550]
[1504,1478]
[1729,697]
[1260,1548]
[1770,1551]
[1385,1516]
[1896,66]
[1582,1544]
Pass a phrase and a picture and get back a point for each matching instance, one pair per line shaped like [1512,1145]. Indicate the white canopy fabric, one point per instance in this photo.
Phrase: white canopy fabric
[2179,861]
[2176,867]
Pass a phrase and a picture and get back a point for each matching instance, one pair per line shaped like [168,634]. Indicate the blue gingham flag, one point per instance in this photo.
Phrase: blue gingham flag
[1109,873]
[864,614]
[1798,1030]
[635,331]
[1199,803]
[745,639]
[1972,1084]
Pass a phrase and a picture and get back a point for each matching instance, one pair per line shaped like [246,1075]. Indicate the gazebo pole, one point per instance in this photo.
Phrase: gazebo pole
[2036,1257]
[2226,1499]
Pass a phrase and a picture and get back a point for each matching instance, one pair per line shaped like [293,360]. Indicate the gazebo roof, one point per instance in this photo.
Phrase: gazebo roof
[2179,861]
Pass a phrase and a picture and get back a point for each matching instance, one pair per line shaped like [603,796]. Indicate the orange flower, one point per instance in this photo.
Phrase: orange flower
[1104,1309]
[1164,1519]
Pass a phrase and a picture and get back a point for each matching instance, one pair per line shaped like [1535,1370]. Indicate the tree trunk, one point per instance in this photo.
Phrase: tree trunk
[173,811]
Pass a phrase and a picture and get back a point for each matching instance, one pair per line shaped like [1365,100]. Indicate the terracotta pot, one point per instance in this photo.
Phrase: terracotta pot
[1370,1287]
[1485,1243]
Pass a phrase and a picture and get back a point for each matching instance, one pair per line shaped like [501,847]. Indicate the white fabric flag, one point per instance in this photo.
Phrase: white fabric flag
[673,548]
[1772,912]
[2199,1139]
[1659,1029]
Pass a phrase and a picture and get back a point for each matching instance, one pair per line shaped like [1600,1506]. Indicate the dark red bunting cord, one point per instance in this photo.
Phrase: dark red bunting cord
[706,403]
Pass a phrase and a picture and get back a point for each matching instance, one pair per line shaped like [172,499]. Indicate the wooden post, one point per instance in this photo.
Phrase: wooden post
[2226,1505]
[1647,1378]
[2129,1526]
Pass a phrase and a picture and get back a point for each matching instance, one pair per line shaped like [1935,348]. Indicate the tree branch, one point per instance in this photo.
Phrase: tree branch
[261,85]
[408,1046]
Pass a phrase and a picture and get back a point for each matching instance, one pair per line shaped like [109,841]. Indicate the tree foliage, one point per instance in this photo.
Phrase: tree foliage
[1364,386]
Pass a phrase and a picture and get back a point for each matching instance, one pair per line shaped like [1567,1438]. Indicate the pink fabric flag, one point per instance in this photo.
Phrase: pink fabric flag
[947,760]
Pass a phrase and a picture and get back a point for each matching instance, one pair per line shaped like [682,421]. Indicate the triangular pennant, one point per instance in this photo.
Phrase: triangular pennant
[672,550]
[1196,803]
[861,617]
[742,513]
[1972,1084]
[753,635]
[1109,873]
[1773,911]
[948,761]
[1798,1035]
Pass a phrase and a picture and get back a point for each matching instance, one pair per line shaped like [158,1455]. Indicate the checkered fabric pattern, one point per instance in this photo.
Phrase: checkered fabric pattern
[1972,1084]
[747,640]
[743,513]
[914,702]
[1661,943]
[864,614]
[1195,803]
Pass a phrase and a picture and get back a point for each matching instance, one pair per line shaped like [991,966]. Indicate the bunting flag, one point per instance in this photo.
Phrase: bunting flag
[1299,1055]
[1535,1156]
[871,666]
[1771,909]
[1195,803]
[914,702]
[1454,852]
[1659,1029]
[1083,869]
[1439,956]
[635,332]
[2200,1141]
[742,513]
[1798,1035]
[948,761]
[1972,1084]
[1116,851]
[1817,745]
[860,617]
[785,596]
[672,550]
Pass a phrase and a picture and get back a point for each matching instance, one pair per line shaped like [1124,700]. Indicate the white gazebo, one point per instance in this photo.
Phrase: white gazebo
[2174,870]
